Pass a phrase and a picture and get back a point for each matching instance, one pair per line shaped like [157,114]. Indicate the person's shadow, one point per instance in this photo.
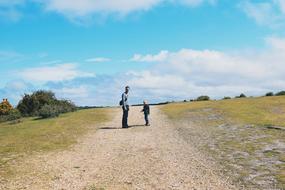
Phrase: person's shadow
[104,128]
[130,126]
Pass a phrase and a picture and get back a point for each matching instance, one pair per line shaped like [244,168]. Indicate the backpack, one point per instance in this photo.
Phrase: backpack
[121,101]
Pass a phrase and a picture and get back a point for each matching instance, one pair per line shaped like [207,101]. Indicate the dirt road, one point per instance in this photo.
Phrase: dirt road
[139,157]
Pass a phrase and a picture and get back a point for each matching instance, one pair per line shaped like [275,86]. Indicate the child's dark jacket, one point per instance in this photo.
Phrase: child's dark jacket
[146,109]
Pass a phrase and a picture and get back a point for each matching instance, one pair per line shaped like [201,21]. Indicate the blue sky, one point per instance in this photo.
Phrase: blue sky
[88,51]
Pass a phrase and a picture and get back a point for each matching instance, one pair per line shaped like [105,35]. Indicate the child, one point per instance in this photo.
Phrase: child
[146,112]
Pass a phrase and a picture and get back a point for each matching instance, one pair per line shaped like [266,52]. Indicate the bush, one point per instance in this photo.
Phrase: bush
[203,98]
[28,106]
[5,107]
[49,111]
[14,114]
[65,106]
[281,93]
[242,95]
[226,98]
[269,94]
[35,105]
[31,104]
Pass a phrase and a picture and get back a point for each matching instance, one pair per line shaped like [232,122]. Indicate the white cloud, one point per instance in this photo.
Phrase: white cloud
[150,58]
[98,59]
[84,10]
[196,2]
[51,62]
[189,62]
[86,7]
[73,92]
[270,13]
[276,43]
[148,80]
[17,85]
[14,90]
[60,72]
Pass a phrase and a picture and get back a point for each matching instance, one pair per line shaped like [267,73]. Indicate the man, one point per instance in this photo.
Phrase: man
[125,106]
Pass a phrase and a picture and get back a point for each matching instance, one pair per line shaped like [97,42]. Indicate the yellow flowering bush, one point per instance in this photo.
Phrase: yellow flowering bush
[5,107]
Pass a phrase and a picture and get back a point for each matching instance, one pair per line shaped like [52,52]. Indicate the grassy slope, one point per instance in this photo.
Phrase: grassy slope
[240,139]
[259,111]
[32,135]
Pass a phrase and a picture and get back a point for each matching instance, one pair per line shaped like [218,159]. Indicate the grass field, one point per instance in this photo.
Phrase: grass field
[245,136]
[34,135]
[258,111]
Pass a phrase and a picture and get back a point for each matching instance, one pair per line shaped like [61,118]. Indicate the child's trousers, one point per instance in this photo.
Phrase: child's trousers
[146,119]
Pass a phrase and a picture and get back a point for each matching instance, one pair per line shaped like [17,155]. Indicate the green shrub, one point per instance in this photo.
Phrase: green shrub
[281,93]
[269,94]
[48,111]
[242,95]
[226,98]
[65,106]
[31,104]
[28,106]
[203,98]
[14,114]
[35,105]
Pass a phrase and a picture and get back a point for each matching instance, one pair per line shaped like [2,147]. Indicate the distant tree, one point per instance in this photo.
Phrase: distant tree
[281,93]
[184,100]
[269,94]
[227,98]
[203,98]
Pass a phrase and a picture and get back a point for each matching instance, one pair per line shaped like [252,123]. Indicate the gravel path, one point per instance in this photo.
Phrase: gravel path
[139,157]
